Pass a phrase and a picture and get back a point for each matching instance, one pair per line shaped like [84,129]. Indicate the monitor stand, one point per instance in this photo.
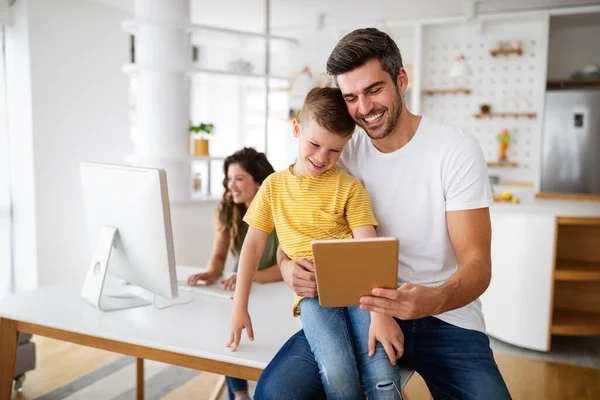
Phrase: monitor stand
[93,286]
[161,303]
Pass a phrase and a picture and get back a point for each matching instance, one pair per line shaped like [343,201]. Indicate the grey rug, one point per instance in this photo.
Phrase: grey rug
[115,381]
[572,350]
[579,351]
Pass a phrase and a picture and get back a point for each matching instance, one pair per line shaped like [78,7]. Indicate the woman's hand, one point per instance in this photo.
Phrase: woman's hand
[229,283]
[385,330]
[209,277]
[240,320]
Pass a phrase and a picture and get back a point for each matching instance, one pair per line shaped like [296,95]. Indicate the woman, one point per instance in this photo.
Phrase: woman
[245,170]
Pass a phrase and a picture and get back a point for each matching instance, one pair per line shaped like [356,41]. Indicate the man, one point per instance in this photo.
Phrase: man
[429,187]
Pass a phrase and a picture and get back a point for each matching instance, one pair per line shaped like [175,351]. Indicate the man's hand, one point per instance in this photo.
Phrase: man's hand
[300,275]
[408,302]
[385,330]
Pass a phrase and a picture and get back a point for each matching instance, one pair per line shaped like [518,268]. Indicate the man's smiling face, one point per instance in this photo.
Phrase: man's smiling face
[372,98]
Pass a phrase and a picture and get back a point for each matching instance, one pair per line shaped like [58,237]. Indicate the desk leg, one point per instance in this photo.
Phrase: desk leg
[139,369]
[8,349]
[218,390]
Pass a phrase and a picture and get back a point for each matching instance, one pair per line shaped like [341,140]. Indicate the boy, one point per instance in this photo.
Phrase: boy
[315,199]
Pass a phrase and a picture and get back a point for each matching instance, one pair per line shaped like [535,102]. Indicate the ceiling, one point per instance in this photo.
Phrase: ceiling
[311,15]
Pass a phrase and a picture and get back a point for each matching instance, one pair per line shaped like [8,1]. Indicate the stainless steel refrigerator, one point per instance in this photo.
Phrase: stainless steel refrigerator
[571,141]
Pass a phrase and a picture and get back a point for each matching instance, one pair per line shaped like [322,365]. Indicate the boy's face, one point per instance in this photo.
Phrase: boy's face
[318,149]
[373,101]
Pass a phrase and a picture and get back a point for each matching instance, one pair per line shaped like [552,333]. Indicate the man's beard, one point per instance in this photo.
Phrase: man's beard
[394,116]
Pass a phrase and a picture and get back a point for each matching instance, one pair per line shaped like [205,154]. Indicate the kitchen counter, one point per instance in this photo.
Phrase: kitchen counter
[558,208]
[545,271]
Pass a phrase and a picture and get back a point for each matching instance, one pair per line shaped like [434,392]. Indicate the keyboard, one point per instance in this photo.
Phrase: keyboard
[215,290]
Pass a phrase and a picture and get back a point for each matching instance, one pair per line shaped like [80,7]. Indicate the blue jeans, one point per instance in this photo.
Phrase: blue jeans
[235,385]
[455,363]
[339,339]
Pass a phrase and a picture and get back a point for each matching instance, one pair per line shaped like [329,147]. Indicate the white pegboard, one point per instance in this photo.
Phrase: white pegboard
[508,83]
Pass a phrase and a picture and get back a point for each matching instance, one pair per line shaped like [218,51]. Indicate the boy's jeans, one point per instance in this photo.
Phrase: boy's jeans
[338,338]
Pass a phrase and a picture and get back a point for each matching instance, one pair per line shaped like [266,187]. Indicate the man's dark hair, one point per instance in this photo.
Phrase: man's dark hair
[362,45]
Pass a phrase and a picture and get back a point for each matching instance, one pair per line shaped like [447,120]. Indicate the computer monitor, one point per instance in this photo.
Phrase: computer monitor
[129,228]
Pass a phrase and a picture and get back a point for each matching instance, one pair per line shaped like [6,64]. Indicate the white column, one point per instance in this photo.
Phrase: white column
[163,59]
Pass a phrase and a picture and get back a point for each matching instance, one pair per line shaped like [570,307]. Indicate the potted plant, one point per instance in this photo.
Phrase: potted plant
[200,147]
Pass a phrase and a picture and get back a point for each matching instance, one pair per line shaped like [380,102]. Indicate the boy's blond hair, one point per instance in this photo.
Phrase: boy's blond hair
[327,107]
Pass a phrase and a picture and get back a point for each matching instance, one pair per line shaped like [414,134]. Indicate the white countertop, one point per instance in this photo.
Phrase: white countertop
[559,208]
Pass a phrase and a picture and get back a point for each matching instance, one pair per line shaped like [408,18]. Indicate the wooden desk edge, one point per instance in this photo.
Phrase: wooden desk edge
[143,352]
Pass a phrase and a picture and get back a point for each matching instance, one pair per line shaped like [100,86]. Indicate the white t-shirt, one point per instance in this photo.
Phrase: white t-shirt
[441,169]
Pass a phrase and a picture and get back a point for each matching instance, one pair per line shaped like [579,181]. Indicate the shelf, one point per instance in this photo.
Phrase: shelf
[197,70]
[133,69]
[577,271]
[506,114]
[429,92]
[206,158]
[567,83]
[198,197]
[132,27]
[195,199]
[516,184]
[505,52]
[575,221]
[567,196]
[575,323]
[502,164]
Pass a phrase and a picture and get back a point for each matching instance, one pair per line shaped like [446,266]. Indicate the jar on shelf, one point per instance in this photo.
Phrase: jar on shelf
[197,182]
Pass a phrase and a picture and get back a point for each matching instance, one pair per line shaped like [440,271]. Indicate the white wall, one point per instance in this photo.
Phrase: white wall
[572,46]
[315,47]
[80,112]
[68,102]
[193,232]
[18,88]
[507,84]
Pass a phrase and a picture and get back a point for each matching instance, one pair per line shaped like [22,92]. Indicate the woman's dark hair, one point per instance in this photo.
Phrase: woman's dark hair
[229,214]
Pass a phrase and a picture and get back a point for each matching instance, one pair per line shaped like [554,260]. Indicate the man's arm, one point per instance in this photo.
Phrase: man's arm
[470,232]
[299,274]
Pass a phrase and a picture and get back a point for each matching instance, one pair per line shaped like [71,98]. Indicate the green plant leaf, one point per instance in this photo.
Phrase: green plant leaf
[202,127]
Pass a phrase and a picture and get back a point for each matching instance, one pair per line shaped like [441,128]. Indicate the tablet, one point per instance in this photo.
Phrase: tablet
[347,269]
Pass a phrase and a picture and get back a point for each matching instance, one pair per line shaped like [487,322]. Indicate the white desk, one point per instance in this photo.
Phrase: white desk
[192,335]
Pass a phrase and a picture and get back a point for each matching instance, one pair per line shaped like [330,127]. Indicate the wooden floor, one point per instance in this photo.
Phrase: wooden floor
[60,363]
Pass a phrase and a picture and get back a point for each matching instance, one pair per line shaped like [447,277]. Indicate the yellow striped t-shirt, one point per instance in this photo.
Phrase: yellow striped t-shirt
[308,208]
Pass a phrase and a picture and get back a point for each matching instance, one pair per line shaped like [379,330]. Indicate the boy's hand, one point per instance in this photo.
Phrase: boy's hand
[240,319]
[385,330]
[229,283]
